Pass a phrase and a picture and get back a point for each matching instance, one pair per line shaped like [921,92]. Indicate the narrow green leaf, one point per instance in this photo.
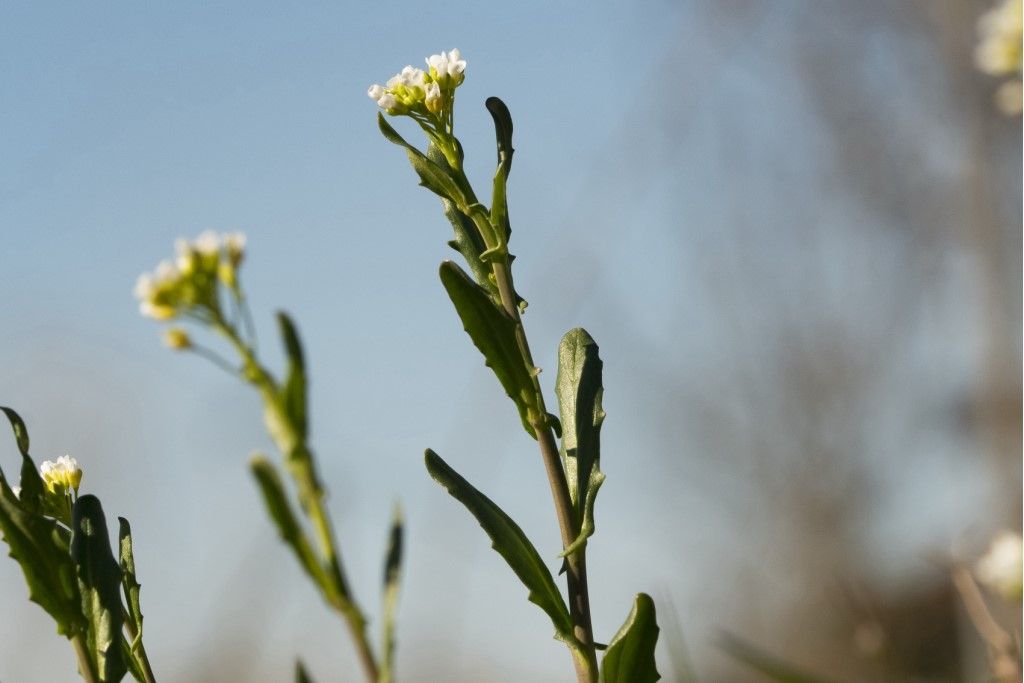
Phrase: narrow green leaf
[502,131]
[468,240]
[503,135]
[494,333]
[392,581]
[41,548]
[301,676]
[510,542]
[99,582]
[630,654]
[293,392]
[771,667]
[129,582]
[433,177]
[280,510]
[579,390]
[20,431]
[32,496]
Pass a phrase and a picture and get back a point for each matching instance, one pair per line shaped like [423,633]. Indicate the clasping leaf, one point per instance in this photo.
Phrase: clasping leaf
[630,654]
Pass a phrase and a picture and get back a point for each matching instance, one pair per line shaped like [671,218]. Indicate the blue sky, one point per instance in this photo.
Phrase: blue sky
[644,133]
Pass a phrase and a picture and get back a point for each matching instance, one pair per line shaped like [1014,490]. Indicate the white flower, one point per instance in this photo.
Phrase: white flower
[1001,567]
[447,66]
[387,101]
[144,286]
[376,92]
[433,98]
[234,243]
[413,78]
[61,475]
[208,243]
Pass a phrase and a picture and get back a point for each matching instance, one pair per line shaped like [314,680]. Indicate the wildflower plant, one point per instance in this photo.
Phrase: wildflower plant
[491,312]
[60,540]
[203,287]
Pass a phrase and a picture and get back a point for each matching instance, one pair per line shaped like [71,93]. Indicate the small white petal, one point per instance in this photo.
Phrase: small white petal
[375,92]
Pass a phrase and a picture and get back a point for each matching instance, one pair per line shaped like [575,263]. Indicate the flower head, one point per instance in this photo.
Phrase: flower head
[422,94]
[62,475]
[191,281]
[1001,567]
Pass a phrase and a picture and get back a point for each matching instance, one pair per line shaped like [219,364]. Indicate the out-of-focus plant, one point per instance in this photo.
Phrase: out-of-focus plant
[999,52]
[60,540]
[203,286]
[491,312]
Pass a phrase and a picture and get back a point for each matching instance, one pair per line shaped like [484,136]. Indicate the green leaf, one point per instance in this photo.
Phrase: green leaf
[503,134]
[99,582]
[41,548]
[630,654]
[433,177]
[280,510]
[494,333]
[468,240]
[301,676]
[579,390]
[510,542]
[32,496]
[392,581]
[293,392]
[129,581]
[20,431]
[502,131]
[768,665]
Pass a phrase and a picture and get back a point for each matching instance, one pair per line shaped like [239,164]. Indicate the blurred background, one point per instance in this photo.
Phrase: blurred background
[793,227]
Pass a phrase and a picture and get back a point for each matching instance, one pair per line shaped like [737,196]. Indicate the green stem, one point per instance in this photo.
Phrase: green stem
[84,662]
[302,467]
[585,657]
[139,652]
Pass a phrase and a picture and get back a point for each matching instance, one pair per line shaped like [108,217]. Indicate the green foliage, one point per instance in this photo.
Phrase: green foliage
[494,333]
[630,654]
[293,391]
[503,134]
[280,510]
[391,584]
[511,543]
[301,676]
[99,584]
[579,389]
[432,176]
[129,583]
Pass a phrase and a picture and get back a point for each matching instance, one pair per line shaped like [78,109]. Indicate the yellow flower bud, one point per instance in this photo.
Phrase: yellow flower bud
[227,274]
[177,339]
[61,475]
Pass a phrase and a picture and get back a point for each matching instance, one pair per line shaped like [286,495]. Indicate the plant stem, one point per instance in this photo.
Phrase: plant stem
[576,563]
[84,662]
[140,653]
[302,466]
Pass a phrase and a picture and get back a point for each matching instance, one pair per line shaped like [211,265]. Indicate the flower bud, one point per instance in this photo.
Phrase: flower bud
[62,475]
[177,339]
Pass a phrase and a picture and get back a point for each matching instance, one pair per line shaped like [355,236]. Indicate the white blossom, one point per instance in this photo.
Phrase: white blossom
[376,92]
[387,101]
[208,243]
[433,97]
[63,474]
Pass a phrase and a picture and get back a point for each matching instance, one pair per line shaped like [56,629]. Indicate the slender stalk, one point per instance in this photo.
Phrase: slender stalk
[576,563]
[84,662]
[585,659]
[140,653]
[302,466]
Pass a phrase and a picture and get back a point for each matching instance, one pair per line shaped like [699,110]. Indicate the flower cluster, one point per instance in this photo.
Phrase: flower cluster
[415,91]
[62,476]
[1000,568]
[191,281]
[999,51]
